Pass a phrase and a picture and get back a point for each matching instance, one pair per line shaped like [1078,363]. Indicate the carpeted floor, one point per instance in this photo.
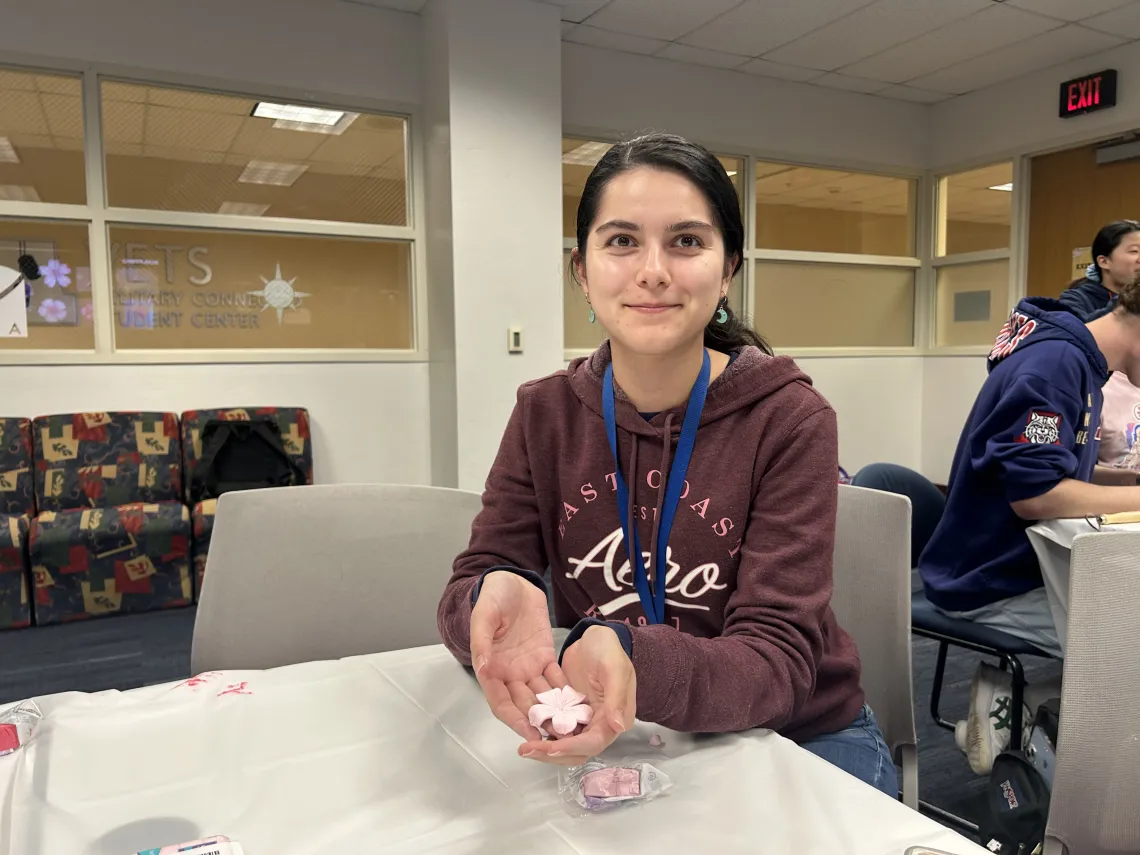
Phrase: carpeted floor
[139,650]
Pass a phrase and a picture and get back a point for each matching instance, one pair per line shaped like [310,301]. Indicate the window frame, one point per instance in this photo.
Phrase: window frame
[99,217]
[919,262]
[1015,253]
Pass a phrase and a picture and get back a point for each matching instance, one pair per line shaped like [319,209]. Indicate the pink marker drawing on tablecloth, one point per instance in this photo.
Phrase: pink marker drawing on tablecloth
[236,689]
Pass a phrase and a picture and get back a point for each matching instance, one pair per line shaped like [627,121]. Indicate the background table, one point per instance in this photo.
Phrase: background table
[397,753]
[1053,542]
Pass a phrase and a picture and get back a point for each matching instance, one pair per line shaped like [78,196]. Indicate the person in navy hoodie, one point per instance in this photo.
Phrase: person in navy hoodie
[1116,264]
[1027,453]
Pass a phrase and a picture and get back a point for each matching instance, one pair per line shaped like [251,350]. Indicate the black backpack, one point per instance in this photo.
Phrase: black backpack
[1020,786]
[242,455]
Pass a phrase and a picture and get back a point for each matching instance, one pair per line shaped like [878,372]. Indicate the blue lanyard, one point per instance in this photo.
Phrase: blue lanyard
[654,601]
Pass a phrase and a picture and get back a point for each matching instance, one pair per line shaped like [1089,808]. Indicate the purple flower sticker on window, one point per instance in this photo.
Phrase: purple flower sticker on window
[88,311]
[53,311]
[56,274]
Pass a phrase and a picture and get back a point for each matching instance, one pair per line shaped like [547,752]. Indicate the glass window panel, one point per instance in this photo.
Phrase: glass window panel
[41,138]
[579,334]
[823,210]
[176,289]
[801,304]
[974,210]
[60,312]
[177,150]
[972,303]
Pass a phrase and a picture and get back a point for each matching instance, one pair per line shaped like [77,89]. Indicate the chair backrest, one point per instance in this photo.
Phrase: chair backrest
[872,602]
[17,495]
[292,421]
[95,460]
[297,574]
[1097,779]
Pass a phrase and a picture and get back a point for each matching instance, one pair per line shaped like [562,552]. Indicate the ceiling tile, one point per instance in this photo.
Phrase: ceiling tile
[1124,21]
[700,56]
[23,113]
[64,115]
[658,19]
[988,30]
[871,29]
[592,36]
[1043,51]
[567,26]
[851,84]
[758,26]
[1068,10]
[763,68]
[910,93]
[577,10]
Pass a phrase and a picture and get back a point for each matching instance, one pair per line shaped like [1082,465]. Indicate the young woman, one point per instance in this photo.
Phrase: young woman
[1116,265]
[684,435]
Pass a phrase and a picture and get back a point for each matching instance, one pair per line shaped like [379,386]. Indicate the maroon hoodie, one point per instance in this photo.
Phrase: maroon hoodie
[749,638]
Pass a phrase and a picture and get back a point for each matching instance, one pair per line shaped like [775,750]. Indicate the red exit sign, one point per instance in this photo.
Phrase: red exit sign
[1088,94]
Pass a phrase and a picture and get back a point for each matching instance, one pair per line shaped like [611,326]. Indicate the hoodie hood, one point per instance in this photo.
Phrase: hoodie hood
[752,376]
[1036,321]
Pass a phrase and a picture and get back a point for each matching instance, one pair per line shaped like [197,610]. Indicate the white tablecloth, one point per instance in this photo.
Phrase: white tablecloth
[397,753]
[1053,541]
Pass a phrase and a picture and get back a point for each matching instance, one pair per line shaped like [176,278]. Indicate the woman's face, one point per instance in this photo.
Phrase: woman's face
[654,268]
[1123,266]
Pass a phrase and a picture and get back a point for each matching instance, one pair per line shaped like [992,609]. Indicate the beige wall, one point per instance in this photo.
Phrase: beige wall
[966,236]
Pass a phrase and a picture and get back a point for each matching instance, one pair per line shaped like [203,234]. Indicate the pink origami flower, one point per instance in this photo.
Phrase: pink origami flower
[564,708]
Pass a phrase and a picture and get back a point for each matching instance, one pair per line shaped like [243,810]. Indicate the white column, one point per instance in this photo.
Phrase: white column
[493,116]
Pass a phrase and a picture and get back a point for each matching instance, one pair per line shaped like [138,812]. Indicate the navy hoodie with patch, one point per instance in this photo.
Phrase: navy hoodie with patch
[1035,423]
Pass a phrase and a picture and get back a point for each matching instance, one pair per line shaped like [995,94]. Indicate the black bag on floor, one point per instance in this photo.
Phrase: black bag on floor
[1020,786]
[242,455]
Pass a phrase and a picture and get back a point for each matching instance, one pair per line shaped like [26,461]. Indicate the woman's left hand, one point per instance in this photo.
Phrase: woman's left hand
[598,666]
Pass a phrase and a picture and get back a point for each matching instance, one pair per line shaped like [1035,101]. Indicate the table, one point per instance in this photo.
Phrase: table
[1052,540]
[397,753]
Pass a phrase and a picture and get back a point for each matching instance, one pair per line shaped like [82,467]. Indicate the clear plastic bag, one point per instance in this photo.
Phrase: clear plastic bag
[597,786]
[17,726]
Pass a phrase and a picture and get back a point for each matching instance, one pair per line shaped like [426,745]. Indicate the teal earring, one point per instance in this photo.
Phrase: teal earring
[721,314]
[593,317]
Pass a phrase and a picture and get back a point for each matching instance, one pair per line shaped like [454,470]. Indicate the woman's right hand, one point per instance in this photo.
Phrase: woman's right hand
[512,648]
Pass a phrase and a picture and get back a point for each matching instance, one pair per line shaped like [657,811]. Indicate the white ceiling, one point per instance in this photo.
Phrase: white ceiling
[913,50]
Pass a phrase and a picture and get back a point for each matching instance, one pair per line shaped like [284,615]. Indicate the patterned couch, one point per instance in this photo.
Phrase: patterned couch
[16,509]
[112,534]
[293,423]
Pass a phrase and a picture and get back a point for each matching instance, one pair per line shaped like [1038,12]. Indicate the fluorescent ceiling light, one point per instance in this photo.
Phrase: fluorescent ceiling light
[19,193]
[268,172]
[292,117]
[1006,187]
[7,153]
[587,154]
[243,209]
[295,113]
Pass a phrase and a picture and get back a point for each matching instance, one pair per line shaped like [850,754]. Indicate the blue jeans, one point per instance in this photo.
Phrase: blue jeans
[859,749]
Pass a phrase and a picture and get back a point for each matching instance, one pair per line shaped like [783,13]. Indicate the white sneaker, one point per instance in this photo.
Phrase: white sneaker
[988,725]
[960,735]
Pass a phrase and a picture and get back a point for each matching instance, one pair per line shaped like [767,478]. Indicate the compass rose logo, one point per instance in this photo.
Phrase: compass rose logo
[279,294]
